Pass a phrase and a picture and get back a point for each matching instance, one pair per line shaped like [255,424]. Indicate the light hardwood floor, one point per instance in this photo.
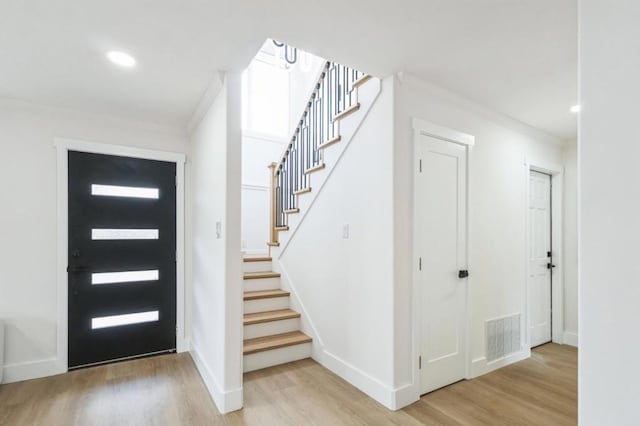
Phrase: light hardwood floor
[166,390]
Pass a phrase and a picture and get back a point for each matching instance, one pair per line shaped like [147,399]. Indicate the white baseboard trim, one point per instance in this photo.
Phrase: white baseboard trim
[570,338]
[32,370]
[358,378]
[226,401]
[405,395]
[183,345]
[480,366]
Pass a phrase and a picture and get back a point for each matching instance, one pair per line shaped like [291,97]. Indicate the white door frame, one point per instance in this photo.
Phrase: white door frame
[425,128]
[63,146]
[557,222]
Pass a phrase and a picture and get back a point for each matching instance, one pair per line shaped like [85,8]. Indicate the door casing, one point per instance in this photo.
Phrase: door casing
[63,146]
[556,171]
[425,128]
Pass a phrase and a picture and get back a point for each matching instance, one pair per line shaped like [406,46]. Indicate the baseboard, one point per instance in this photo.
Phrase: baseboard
[226,401]
[404,395]
[183,345]
[358,378]
[480,366]
[570,338]
[32,370]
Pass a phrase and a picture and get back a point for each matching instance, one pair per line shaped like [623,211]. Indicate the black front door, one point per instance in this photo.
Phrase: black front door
[122,253]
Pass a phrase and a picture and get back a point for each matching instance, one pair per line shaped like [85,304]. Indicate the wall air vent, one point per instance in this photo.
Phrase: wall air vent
[503,336]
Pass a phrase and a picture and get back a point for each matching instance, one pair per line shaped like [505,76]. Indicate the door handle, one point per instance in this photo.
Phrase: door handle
[463,273]
[550,265]
[77,269]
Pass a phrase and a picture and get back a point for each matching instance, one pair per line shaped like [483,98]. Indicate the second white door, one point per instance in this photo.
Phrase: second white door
[440,199]
[539,258]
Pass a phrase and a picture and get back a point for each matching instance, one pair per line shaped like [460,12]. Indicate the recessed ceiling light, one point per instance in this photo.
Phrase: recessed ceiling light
[575,108]
[121,58]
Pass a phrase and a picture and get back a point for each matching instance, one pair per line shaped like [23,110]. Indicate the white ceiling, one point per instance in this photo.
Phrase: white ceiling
[515,56]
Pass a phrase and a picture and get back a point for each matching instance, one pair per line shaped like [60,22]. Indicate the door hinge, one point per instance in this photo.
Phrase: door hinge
[420,264]
[420,166]
[176,181]
[420,362]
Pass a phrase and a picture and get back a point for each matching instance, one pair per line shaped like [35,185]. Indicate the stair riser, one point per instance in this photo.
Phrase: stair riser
[263,305]
[261,284]
[278,356]
[271,328]
[256,266]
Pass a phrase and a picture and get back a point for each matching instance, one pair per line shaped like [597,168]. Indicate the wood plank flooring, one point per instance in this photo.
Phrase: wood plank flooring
[167,390]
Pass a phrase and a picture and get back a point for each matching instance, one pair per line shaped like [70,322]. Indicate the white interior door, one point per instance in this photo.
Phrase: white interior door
[539,256]
[441,245]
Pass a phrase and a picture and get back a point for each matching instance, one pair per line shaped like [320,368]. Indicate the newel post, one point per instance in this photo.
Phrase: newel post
[273,234]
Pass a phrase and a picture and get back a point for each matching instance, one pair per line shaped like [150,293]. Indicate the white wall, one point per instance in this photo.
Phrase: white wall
[497,211]
[28,219]
[346,285]
[356,292]
[609,201]
[214,194]
[570,212]
[257,154]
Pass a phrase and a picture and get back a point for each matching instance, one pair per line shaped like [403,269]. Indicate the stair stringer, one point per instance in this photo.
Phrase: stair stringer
[295,302]
[348,128]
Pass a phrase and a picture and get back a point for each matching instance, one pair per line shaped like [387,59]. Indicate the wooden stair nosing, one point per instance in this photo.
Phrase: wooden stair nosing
[269,316]
[302,191]
[282,228]
[259,275]
[315,168]
[362,80]
[330,142]
[257,259]
[353,108]
[292,211]
[276,341]
[273,244]
[265,294]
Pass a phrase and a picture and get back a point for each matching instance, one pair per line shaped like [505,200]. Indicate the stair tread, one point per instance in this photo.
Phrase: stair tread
[315,168]
[260,344]
[330,142]
[265,294]
[359,82]
[347,112]
[257,259]
[258,275]
[268,316]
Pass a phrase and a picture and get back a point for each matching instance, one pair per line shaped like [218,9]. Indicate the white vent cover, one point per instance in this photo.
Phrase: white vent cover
[503,336]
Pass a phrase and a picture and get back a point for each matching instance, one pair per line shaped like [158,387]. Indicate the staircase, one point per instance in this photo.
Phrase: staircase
[272,333]
[334,98]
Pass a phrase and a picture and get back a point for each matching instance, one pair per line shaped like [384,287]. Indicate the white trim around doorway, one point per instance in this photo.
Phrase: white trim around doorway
[63,146]
[556,171]
[420,128]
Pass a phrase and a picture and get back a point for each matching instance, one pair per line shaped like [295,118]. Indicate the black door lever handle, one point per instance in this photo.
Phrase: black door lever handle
[463,273]
[550,265]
